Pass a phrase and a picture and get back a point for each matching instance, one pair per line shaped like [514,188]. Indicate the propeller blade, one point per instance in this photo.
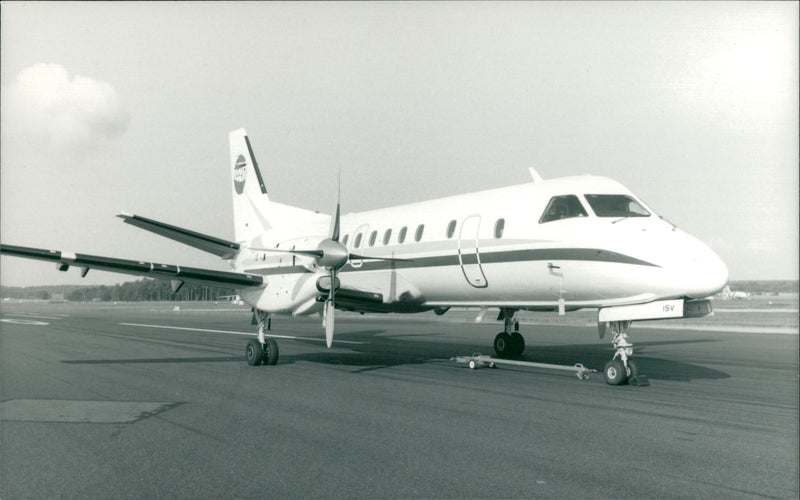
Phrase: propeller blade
[329,308]
[334,232]
[335,224]
[329,323]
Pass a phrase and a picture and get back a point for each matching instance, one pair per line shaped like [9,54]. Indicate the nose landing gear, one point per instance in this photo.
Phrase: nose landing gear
[509,342]
[621,368]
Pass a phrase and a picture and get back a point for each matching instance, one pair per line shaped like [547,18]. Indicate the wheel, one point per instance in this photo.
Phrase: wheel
[270,352]
[254,353]
[472,364]
[517,344]
[615,372]
[503,344]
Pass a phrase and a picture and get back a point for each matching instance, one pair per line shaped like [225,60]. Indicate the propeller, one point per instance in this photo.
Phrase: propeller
[337,257]
[332,255]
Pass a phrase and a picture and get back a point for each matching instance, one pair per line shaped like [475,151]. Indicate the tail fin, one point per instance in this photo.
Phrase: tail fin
[253,212]
[249,191]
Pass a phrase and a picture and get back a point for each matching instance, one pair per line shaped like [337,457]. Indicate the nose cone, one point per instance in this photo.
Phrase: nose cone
[704,273]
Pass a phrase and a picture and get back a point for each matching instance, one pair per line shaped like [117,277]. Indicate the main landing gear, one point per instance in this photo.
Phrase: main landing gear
[264,350]
[509,342]
[621,368]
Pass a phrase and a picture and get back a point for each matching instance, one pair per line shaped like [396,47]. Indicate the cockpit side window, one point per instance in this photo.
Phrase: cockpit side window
[563,207]
[615,205]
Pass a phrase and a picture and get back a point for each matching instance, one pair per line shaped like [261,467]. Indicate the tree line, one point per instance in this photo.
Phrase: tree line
[142,290]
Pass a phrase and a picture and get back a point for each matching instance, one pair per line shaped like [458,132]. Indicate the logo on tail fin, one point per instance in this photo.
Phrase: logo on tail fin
[239,174]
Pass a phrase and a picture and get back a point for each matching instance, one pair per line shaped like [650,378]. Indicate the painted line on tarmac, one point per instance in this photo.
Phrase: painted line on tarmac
[248,334]
[24,322]
[29,315]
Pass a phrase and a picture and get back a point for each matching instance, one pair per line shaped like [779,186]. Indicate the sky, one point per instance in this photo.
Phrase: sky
[112,107]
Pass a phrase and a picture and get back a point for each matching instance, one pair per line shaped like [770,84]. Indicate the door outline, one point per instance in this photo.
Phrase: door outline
[467,237]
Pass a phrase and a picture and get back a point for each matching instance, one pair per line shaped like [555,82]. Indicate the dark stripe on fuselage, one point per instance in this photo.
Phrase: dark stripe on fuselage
[501,257]
[585,254]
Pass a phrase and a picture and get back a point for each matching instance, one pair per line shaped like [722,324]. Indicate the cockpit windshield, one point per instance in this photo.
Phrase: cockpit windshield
[615,205]
[563,207]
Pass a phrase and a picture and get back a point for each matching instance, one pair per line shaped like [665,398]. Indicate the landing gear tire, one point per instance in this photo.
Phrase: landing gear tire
[503,345]
[517,344]
[254,353]
[270,352]
[615,372]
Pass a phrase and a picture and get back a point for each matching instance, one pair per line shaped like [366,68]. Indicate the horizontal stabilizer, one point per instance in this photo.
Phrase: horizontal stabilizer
[210,244]
[170,272]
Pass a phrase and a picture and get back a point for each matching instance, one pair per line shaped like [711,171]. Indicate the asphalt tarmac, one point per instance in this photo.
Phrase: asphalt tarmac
[146,402]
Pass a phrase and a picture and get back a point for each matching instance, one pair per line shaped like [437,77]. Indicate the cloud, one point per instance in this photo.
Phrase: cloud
[67,113]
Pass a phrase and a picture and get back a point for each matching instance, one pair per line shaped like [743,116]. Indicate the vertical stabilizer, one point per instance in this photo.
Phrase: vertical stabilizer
[249,191]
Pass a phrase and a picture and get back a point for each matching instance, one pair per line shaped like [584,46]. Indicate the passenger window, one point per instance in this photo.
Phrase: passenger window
[451,229]
[498,228]
[358,240]
[372,238]
[615,205]
[401,237]
[344,240]
[563,207]
[386,236]
[418,235]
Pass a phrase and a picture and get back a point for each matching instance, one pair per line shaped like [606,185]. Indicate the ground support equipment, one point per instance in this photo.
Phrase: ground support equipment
[479,361]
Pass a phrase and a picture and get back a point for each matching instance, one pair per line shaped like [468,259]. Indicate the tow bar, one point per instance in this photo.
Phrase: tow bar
[478,360]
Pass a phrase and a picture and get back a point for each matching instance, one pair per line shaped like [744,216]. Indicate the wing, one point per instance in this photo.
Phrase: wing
[179,274]
[219,247]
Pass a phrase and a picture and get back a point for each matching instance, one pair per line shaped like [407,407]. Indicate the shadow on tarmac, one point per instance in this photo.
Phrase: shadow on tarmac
[386,351]
[380,351]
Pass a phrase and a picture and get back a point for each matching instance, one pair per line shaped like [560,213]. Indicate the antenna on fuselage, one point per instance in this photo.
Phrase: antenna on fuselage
[535,175]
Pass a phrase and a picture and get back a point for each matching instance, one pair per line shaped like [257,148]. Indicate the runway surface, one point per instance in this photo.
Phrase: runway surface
[107,402]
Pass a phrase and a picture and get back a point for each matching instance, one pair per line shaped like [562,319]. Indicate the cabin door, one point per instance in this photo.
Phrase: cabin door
[468,255]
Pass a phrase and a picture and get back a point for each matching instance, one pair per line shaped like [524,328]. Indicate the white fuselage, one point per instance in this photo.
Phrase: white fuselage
[492,248]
